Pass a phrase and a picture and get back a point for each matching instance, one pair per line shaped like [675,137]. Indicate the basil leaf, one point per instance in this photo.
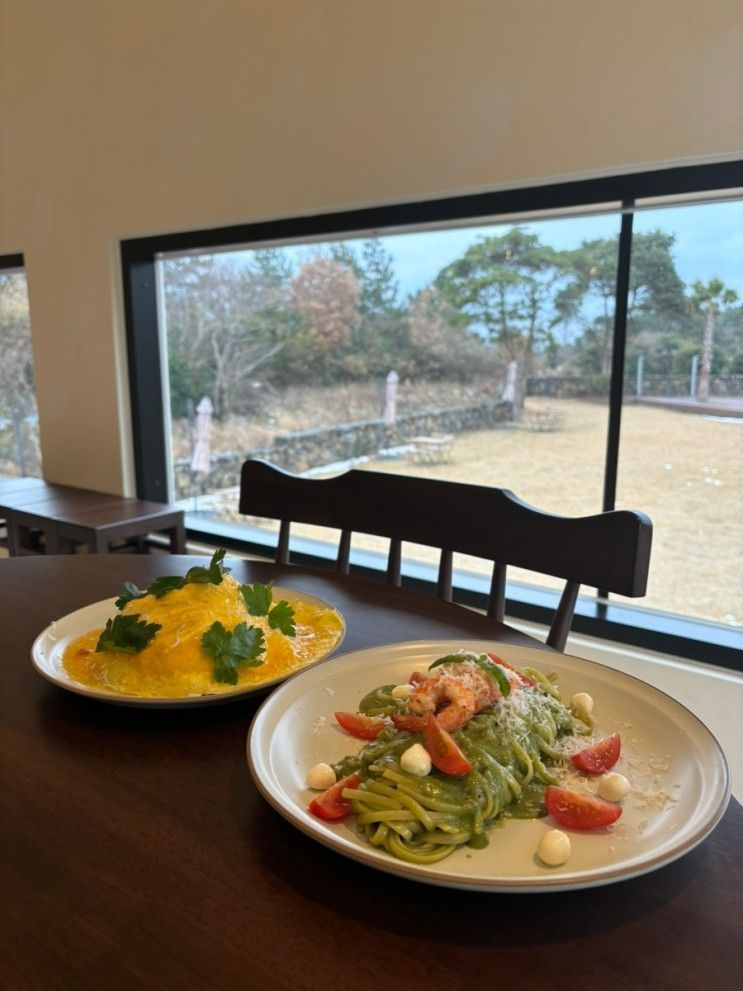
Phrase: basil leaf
[451,659]
[491,670]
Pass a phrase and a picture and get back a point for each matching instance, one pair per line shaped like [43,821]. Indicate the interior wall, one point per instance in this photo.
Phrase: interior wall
[158,115]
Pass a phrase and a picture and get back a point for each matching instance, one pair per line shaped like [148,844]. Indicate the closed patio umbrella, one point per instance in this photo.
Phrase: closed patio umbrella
[200,461]
[390,400]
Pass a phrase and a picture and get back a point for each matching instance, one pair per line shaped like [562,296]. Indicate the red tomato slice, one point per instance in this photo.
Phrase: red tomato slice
[577,811]
[444,753]
[504,664]
[599,758]
[360,726]
[411,724]
[331,804]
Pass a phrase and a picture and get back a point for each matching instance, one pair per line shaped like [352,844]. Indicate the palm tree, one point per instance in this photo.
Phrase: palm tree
[709,299]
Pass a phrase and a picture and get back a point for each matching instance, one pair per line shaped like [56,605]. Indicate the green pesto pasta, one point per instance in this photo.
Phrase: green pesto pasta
[512,745]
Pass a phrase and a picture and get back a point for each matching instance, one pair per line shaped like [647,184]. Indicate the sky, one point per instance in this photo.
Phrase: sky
[709,242]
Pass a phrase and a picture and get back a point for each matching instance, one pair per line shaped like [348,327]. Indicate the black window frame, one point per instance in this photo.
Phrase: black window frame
[678,635]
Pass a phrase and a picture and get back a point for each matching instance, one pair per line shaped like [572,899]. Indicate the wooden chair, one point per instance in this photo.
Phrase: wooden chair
[609,551]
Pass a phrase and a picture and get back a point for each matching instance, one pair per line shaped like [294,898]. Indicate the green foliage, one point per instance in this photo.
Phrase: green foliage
[128,634]
[240,648]
[508,286]
[258,599]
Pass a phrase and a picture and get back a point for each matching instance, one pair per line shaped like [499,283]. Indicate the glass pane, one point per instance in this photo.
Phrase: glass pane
[681,450]
[19,422]
[477,354]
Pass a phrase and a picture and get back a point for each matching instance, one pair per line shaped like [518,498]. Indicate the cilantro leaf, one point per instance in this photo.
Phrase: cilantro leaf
[230,650]
[129,591]
[257,598]
[211,575]
[126,633]
[165,583]
[281,617]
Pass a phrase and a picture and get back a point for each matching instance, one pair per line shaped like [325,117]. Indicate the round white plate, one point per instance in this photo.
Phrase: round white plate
[680,779]
[49,646]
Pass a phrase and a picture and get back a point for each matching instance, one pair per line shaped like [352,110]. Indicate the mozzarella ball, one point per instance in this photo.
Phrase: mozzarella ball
[583,702]
[554,848]
[320,777]
[416,760]
[613,787]
[402,691]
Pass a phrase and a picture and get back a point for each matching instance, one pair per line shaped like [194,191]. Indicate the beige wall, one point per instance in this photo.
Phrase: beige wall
[147,116]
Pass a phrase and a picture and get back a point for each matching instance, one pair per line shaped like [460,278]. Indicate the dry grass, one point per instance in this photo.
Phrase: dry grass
[684,470]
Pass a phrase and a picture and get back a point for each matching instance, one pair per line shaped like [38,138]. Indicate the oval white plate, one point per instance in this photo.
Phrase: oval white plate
[665,750]
[49,646]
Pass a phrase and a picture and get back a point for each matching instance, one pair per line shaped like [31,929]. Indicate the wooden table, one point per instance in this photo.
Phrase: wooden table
[137,852]
[431,450]
[44,518]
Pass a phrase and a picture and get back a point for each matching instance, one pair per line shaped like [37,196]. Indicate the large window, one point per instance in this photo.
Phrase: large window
[681,450]
[19,422]
[486,339]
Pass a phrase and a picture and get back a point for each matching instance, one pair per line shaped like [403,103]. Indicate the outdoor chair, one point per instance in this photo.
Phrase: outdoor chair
[609,551]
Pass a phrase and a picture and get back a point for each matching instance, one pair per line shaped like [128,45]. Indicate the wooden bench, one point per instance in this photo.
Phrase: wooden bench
[59,519]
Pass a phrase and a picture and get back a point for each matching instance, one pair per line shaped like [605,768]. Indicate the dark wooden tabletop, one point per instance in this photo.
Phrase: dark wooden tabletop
[137,853]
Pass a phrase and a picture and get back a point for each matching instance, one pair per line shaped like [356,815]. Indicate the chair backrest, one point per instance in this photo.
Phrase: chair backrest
[609,551]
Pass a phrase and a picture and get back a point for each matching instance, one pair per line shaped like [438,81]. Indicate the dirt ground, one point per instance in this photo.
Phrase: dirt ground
[684,470]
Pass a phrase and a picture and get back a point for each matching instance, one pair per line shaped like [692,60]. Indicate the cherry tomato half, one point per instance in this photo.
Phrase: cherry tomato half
[331,804]
[361,726]
[599,758]
[445,754]
[577,811]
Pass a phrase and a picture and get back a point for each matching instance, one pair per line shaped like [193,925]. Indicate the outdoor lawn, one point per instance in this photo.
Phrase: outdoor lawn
[684,470]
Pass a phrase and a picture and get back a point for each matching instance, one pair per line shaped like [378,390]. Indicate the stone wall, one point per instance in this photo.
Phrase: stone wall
[299,452]
[570,387]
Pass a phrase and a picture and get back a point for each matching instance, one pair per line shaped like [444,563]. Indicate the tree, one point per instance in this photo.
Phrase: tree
[594,267]
[656,303]
[16,362]
[506,285]
[709,299]
[378,287]
[440,347]
[325,297]
[219,330]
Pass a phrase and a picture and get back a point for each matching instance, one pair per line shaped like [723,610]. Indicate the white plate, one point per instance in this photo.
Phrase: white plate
[665,749]
[49,646]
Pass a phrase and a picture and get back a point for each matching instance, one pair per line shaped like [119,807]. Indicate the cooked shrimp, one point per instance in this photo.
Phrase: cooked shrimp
[454,695]
[449,699]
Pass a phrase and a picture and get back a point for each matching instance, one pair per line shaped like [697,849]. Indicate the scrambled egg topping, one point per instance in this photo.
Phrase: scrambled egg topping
[174,663]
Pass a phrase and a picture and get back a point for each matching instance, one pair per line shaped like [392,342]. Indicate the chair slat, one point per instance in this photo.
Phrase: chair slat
[342,561]
[282,548]
[394,563]
[497,597]
[563,617]
[443,587]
